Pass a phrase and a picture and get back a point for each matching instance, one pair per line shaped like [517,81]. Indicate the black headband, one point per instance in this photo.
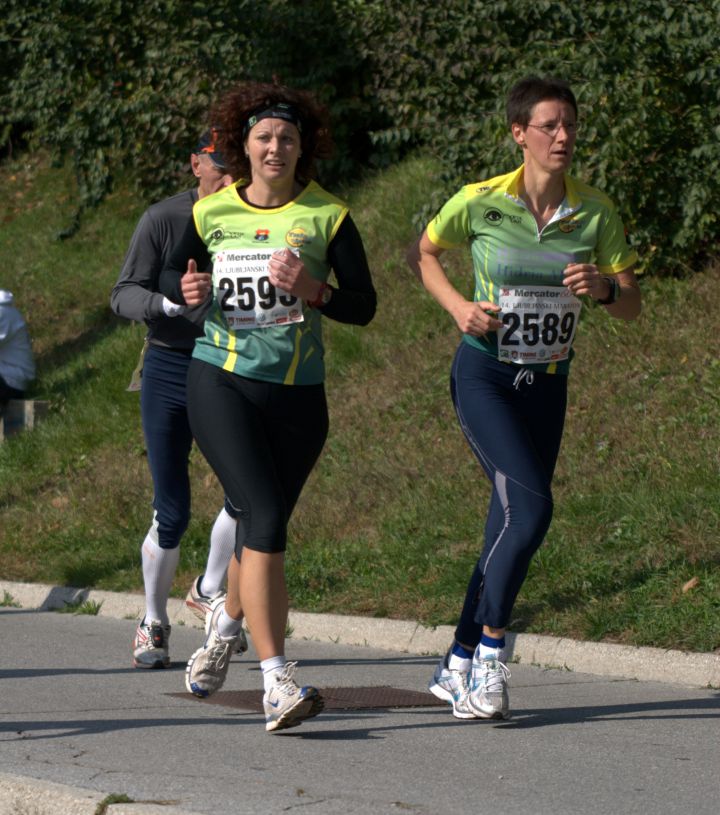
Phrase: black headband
[280,110]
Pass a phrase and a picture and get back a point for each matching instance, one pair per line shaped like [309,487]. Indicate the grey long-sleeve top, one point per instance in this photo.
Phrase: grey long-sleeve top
[136,294]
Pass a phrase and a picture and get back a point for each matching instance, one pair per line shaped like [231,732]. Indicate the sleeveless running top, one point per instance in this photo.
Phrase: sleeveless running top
[253,329]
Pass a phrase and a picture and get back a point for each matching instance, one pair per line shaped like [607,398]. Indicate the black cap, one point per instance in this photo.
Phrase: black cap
[206,146]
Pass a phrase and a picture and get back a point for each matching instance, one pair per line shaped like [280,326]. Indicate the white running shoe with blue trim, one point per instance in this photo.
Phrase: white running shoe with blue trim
[288,705]
[489,689]
[453,687]
[208,666]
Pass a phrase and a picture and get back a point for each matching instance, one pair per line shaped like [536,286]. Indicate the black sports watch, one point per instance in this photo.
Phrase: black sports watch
[614,295]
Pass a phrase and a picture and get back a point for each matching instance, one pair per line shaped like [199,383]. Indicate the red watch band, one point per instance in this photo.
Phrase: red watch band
[319,300]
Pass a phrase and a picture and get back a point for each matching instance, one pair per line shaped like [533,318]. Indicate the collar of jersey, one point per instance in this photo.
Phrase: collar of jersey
[236,194]
[510,186]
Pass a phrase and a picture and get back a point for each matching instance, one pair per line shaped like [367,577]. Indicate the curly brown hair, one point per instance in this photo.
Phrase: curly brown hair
[232,111]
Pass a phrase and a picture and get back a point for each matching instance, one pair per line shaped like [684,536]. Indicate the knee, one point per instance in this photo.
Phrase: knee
[531,525]
[170,527]
[267,534]
[542,517]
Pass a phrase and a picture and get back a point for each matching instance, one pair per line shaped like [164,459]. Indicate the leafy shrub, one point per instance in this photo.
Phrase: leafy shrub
[125,85]
[647,79]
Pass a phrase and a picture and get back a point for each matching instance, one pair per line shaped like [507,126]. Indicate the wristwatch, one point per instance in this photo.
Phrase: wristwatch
[614,292]
[323,296]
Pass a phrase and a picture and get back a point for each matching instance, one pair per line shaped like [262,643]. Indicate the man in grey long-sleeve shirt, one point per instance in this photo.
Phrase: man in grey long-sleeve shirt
[169,342]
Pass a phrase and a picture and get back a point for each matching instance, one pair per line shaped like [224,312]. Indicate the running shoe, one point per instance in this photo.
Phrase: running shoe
[489,690]
[150,646]
[200,604]
[208,666]
[453,687]
[288,705]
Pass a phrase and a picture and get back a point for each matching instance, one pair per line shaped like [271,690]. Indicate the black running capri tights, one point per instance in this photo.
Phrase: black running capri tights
[262,440]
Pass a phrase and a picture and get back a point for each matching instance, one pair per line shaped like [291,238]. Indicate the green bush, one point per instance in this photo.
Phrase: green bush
[125,85]
[647,77]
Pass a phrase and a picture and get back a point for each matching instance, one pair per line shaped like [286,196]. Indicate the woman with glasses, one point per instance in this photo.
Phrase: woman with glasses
[540,240]
[256,398]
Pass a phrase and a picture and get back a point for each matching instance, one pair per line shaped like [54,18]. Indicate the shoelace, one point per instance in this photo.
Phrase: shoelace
[284,682]
[494,674]
[219,653]
[464,685]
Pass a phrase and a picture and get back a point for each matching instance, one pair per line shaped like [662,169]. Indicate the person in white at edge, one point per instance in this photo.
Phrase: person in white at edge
[17,366]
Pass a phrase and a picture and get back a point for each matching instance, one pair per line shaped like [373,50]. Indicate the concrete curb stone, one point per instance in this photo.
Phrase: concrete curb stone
[29,796]
[602,659]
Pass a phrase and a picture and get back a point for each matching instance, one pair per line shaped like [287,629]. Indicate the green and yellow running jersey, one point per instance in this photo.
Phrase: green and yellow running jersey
[508,251]
[251,328]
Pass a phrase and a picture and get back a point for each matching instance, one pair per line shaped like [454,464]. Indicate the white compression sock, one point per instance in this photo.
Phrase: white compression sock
[159,567]
[222,547]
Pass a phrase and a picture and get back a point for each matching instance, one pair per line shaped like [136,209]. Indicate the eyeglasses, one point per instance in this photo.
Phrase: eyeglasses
[553,129]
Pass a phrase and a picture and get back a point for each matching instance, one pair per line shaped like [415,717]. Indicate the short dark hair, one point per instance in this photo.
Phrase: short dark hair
[526,93]
[235,107]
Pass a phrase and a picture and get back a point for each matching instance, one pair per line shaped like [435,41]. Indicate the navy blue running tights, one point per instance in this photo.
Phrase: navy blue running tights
[163,407]
[167,438]
[513,420]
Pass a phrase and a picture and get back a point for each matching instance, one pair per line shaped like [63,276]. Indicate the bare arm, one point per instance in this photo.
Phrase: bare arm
[471,317]
[584,278]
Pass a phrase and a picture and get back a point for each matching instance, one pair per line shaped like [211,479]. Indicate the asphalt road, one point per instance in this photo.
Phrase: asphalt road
[74,713]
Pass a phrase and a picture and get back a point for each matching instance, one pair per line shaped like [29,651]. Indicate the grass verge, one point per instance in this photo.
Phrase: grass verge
[391,520]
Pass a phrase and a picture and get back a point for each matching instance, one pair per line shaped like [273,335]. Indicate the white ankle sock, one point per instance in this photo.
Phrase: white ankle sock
[227,626]
[222,547]
[460,658]
[270,667]
[159,567]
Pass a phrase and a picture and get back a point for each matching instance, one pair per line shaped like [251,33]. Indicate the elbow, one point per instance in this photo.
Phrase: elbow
[115,303]
[634,314]
[633,306]
[412,256]
[368,312]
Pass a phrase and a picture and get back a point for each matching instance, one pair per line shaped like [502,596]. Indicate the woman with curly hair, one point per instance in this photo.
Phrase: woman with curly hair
[256,398]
